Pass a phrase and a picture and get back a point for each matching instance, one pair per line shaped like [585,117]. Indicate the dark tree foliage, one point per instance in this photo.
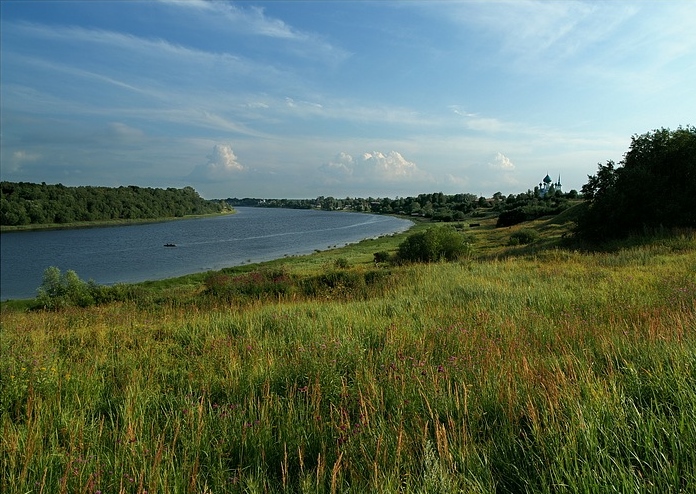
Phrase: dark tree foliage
[511,217]
[24,203]
[653,187]
[530,205]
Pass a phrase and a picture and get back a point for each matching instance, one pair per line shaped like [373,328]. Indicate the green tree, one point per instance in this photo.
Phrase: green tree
[654,186]
[51,286]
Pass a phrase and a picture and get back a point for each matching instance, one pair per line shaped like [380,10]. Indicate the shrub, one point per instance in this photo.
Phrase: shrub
[332,283]
[255,284]
[524,236]
[382,256]
[346,284]
[119,292]
[341,263]
[60,290]
[434,244]
[217,283]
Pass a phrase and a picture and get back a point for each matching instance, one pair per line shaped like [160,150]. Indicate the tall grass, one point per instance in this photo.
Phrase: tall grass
[558,372]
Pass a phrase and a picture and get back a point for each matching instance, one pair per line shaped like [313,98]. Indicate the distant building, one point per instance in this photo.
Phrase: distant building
[547,184]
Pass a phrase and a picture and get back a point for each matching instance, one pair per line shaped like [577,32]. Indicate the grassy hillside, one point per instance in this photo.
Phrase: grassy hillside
[525,369]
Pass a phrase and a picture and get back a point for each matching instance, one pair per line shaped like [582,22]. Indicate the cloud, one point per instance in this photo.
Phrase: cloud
[502,162]
[254,21]
[476,122]
[550,28]
[458,110]
[487,125]
[20,157]
[341,166]
[390,166]
[456,181]
[222,165]
[556,36]
[371,166]
[149,56]
[121,132]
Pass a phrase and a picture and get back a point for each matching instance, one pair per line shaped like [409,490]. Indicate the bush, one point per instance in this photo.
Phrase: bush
[333,283]
[382,256]
[512,217]
[60,290]
[346,284]
[255,284]
[119,292]
[341,263]
[434,244]
[217,284]
[524,236]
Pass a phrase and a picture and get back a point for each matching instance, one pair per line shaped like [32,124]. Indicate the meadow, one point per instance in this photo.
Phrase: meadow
[530,368]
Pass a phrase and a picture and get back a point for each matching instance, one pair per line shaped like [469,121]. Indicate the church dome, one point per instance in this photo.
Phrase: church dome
[547,179]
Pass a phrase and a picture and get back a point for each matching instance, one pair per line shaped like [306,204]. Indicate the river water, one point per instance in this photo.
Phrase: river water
[133,253]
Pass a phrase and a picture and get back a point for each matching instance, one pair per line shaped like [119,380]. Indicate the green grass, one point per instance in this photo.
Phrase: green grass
[534,370]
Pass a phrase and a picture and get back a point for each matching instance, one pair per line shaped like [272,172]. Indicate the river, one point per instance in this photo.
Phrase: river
[134,253]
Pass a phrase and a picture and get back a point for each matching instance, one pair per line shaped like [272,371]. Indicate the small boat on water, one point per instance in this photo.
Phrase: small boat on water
[170,245]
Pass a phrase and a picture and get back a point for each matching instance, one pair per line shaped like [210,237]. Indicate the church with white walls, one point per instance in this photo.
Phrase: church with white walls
[547,184]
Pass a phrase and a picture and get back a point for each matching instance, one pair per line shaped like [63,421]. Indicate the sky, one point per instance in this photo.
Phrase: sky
[337,98]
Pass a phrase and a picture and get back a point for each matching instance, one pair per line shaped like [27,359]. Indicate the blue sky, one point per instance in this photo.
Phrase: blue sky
[301,99]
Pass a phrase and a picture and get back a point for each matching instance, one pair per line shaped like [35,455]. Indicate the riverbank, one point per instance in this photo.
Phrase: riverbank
[105,223]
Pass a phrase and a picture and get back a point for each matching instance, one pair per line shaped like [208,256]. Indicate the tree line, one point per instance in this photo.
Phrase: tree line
[24,203]
[436,206]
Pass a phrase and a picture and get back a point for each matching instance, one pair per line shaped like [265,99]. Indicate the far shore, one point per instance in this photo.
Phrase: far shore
[104,223]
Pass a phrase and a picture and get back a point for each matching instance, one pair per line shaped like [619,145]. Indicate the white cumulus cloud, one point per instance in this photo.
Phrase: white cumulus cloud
[502,162]
[371,166]
[390,166]
[222,165]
